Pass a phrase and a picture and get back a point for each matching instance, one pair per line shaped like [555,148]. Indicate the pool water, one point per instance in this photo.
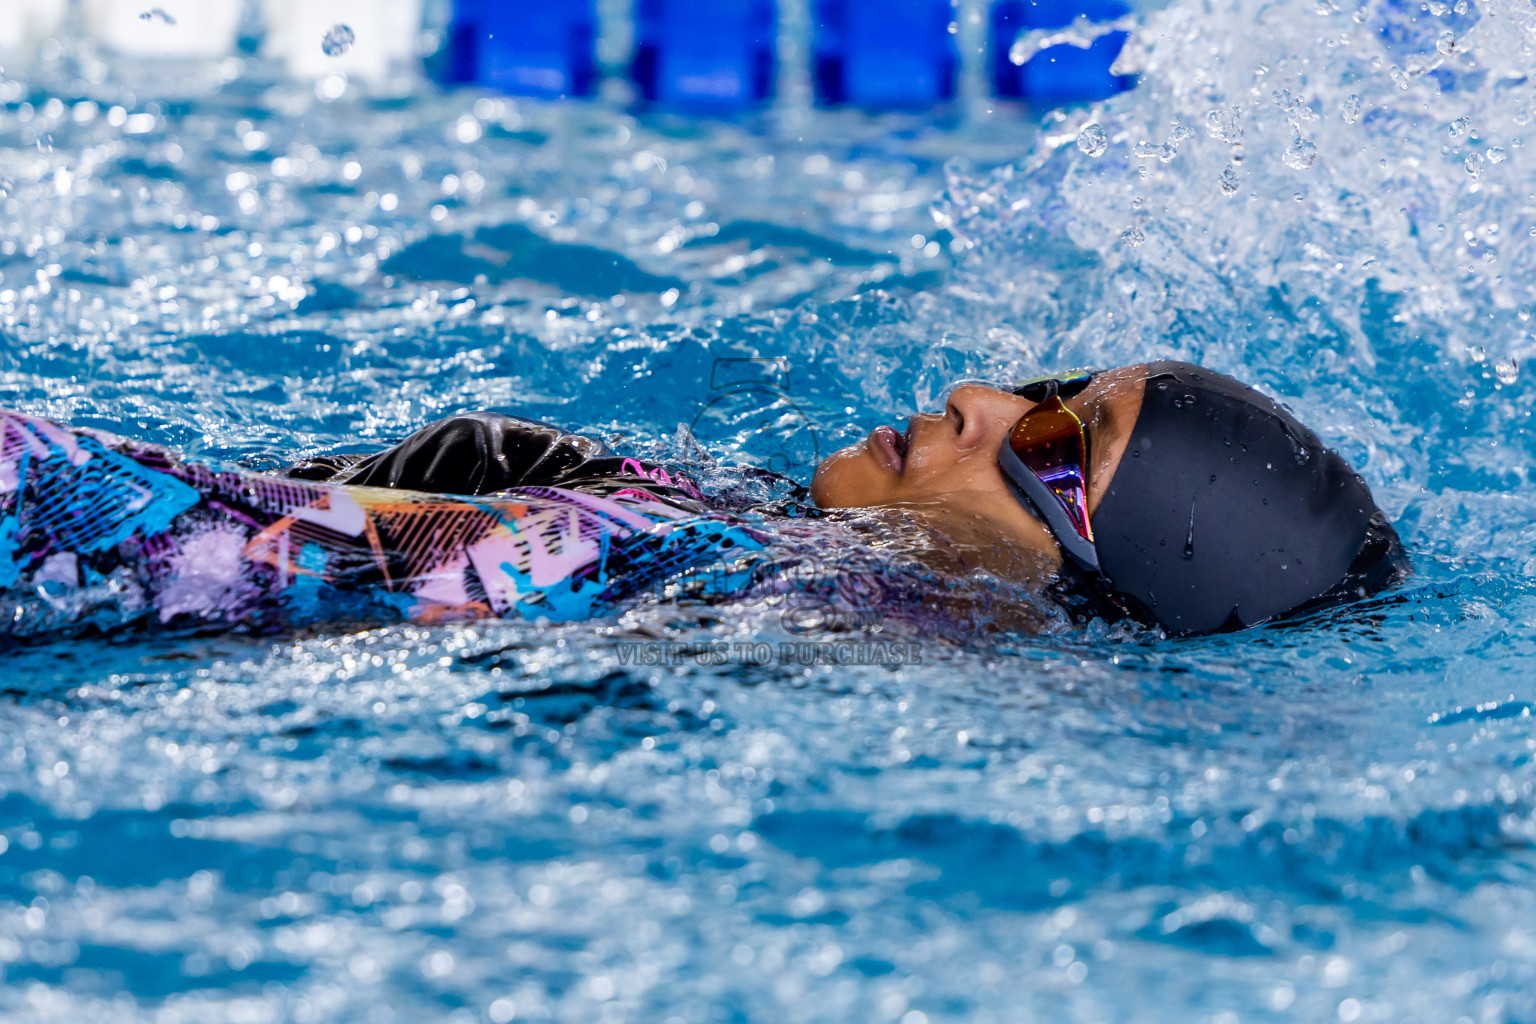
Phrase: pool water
[1324,820]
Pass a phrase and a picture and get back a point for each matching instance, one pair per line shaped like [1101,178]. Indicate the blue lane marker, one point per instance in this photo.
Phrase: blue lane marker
[542,48]
[884,53]
[705,54]
[1062,73]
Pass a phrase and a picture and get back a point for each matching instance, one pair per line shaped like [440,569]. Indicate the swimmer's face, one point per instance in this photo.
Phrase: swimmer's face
[946,463]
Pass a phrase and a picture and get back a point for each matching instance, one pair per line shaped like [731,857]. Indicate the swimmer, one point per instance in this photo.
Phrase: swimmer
[1163,492]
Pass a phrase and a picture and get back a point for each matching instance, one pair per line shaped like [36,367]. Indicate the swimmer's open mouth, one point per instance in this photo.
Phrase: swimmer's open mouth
[890,447]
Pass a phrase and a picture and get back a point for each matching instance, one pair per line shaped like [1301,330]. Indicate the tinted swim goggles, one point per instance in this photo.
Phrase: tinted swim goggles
[1045,459]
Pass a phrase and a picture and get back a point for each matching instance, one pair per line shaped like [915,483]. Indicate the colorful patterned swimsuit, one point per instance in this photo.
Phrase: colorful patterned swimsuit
[527,521]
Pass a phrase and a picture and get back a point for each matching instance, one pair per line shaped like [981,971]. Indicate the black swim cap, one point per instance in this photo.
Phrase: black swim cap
[1225,511]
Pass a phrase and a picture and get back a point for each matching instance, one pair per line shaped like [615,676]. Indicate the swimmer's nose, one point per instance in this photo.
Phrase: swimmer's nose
[983,415]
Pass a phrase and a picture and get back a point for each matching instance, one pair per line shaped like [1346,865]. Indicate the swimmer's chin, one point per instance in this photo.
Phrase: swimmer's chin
[845,478]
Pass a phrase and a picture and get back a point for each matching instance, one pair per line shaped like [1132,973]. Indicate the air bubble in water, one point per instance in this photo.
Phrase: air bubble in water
[1461,7]
[1446,44]
[1507,370]
[1300,154]
[1474,164]
[1350,111]
[1228,181]
[1225,124]
[1524,312]
[1496,155]
[1132,236]
[1460,127]
[1093,139]
[338,40]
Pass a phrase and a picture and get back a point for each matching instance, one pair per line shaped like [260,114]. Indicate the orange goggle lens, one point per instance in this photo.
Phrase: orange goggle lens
[1052,444]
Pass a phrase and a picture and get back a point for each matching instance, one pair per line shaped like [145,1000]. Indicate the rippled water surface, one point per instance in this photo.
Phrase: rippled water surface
[1329,820]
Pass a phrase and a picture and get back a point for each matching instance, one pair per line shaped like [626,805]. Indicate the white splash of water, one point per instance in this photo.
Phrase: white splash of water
[1359,206]
[1093,140]
[1081,33]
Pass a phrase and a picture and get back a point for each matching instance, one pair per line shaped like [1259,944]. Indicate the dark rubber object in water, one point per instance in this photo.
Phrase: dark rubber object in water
[1226,512]
[486,452]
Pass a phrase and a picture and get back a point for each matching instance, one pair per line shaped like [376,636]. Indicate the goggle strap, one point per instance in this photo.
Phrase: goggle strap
[1065,386]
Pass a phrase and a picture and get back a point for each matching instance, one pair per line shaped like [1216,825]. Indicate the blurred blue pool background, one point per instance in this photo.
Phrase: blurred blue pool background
[299,244]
